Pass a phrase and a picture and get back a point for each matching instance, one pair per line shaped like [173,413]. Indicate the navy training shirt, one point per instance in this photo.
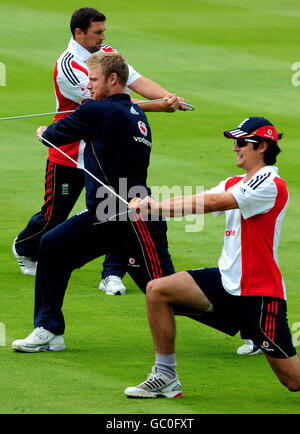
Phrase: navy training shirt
[118,145]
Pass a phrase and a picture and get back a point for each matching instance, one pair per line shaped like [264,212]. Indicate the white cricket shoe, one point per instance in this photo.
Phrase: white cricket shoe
[40,340]
[248,349]
[112,285]
[27,265]
[157,385]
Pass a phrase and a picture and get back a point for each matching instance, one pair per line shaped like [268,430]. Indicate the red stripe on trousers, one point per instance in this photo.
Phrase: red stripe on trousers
[147,243]
[267,326]
[270,320]
[153,245]
[49,190]
[274,318]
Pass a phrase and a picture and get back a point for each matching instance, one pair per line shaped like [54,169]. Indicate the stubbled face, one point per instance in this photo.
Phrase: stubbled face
[98,85]
[93,38]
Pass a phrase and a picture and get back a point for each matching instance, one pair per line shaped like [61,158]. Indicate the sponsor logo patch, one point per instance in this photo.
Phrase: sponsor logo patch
[266,346]
[230,233]
[142,128]
[132,263]
[142,140]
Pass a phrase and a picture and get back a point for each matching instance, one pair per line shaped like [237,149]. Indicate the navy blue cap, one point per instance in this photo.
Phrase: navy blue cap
[253,126]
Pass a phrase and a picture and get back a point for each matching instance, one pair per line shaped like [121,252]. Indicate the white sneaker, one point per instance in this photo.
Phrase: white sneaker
[112,285]
[248,349]
[40,340]
[157,385]
[27,265]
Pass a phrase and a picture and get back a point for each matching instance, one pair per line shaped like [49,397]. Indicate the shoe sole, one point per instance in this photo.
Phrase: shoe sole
[115,293]
[250,353]
[143,394]
[43,349]
[119,292]
[259,351]
[25,273]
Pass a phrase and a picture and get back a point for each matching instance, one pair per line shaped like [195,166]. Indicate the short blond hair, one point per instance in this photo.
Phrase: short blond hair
[109,63]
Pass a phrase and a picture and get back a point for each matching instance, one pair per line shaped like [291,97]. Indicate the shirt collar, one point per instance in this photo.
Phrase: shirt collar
[267,168]
[78,50]
[264,169]
[120,96]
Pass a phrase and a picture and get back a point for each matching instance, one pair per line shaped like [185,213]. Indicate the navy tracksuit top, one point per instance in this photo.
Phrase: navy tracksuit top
[118,144]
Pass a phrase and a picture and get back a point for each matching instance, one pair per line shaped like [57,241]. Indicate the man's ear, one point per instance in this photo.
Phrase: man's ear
[113,78]
[263,147]
[78,34]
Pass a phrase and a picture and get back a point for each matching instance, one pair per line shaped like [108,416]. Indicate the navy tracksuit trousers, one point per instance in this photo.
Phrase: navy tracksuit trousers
[142,246]
[63,186]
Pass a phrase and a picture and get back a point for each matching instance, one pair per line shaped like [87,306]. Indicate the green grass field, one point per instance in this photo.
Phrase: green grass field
[230,59]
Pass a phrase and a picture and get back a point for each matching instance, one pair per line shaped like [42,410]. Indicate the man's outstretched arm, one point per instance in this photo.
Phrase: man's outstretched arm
[201,203]
[151,90]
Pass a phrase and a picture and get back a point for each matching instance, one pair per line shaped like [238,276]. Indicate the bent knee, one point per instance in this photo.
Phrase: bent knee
[45,241]
[156,288]
[51,245]
[153,286]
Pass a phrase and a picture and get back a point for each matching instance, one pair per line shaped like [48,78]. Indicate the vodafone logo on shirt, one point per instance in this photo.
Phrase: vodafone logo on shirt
[230,233]
[142,128]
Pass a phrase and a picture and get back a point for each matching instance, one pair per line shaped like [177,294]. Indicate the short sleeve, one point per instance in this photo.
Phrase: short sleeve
[133,75]
[257,196]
